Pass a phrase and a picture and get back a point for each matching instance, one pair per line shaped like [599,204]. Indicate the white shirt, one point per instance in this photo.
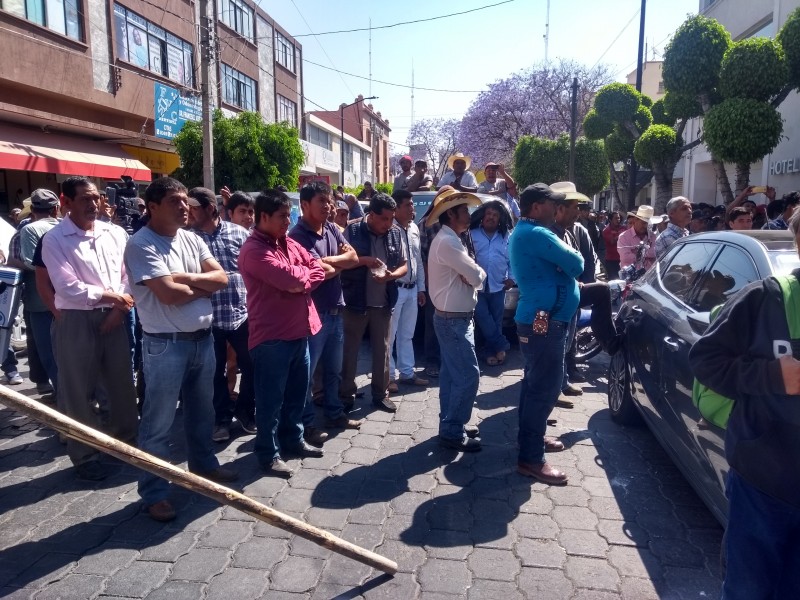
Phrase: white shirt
[467,179]
[411,242]
[447,262]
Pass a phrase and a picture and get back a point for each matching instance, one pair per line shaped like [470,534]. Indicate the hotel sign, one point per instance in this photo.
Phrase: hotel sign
[784,167]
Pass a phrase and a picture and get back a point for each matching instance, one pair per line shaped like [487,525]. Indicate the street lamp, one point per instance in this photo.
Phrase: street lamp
[341,140]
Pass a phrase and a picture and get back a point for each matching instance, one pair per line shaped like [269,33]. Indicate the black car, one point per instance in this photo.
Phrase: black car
[666,311]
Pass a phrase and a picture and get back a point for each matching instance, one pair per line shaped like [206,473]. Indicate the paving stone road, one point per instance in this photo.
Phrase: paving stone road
[459,526]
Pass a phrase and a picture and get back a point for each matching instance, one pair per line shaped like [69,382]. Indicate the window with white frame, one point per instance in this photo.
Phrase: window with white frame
[238,16]
[284,51]
[148,46]
[62,16]
[287,111]
[319,137]
[364,157]
[348,157]
[238,89]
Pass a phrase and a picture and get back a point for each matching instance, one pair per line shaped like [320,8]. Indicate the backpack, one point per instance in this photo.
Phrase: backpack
[716,408]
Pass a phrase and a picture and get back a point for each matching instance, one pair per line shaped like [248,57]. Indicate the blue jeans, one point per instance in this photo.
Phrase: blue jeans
[281,383]
[571,331]
[41,323]
[459,374]
[325,349]
[541,383]
[173,368]
[245,403]
[489,318]
[761,543]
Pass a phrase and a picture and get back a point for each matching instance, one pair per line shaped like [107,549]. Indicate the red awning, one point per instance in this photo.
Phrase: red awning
[32,150]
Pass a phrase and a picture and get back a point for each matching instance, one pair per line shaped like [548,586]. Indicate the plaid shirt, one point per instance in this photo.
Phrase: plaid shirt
[668,237]
[230,303]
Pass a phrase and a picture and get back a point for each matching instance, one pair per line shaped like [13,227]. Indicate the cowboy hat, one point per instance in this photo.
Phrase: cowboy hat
[459,156]
[645,213]
[569,190]
[447,200]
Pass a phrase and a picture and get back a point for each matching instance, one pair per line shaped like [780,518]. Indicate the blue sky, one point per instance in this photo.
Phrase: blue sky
[465,52]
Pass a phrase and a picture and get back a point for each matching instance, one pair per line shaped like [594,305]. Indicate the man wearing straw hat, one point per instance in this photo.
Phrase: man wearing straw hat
[454,279]
[640,233]
[459,176]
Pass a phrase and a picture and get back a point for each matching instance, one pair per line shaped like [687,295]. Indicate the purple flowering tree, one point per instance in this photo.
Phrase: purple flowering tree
[434,140]
[533,102]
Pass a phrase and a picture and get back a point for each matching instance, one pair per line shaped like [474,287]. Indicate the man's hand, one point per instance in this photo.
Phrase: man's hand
[790,370]
[226,195]
[508,284]
[123,302]
[113,320]
[770,193]
[501,169]
[368,261]
[746,193]
[386,278]
[421,298]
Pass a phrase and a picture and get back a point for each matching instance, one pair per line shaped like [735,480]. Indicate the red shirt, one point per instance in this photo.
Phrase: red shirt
[271,268]
[610,236]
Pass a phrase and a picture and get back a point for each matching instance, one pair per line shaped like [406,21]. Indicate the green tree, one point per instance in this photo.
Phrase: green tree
[544,160]
[249,154]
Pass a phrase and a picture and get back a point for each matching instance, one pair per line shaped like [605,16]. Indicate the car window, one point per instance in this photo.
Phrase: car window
[683,270]
[732,270]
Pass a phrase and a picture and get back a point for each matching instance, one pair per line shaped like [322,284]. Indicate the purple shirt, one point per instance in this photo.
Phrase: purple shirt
[329,293]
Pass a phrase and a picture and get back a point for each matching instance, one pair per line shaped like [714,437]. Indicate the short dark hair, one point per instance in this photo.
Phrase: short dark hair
[281,188]
[367,183]
[162,186]
[270,201]
[238,199]
[776,208]
[401,195]
[313,188]
[381,201]
[791,199]
[203,195]
[71,184]
[736,212]
[420,162]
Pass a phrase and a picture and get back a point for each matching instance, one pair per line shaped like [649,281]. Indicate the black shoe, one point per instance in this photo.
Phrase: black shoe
[219,475]
[278,468]
[305,450]
[347,403]
[551,422]
[472,431]
[91,471]
[247,423]
[385,404]
[462,445]
[314,436]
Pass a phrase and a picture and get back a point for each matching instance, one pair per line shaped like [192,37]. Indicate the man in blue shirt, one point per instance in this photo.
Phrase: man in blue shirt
[546,270]
[490,227]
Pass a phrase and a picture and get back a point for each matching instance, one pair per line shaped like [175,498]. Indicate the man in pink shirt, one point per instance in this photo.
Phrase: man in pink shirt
[84,258]
[279,275]
[638,234]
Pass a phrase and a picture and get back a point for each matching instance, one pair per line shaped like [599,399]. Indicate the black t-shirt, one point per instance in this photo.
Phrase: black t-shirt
[37,254]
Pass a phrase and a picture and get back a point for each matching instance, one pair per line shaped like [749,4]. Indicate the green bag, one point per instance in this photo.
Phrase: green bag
[716,408]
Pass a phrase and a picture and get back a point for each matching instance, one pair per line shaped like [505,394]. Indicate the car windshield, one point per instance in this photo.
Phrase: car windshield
[784,261]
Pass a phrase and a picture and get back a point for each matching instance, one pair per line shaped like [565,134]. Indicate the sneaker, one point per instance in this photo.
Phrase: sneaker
[91,471]
[44,389]
[314,436]
[343,423]
[161,511]
[221,433]
[14,378]
[247,423]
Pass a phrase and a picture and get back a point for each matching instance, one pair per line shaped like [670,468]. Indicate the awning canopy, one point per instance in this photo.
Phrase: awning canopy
[32,150]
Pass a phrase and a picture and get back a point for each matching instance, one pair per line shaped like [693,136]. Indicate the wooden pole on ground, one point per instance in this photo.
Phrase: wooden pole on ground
[104,443]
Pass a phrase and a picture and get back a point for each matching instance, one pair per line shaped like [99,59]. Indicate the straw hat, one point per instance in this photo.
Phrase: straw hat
[447,200]
[645,213]
[459,156]
[569,190]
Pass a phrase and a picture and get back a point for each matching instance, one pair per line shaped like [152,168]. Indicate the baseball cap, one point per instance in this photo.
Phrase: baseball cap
[43,199]
[201,197]
[407,157]
[342,205]
[540,192]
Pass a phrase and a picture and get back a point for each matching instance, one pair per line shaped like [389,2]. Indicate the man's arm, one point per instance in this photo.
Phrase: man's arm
[269,268]
[346,259]
[511,185]
[65,279]
[627,253]
[45,288]
[452,254]
[565,258]
[213,277]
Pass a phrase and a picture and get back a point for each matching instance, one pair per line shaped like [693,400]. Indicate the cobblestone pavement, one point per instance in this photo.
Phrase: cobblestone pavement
[460,526]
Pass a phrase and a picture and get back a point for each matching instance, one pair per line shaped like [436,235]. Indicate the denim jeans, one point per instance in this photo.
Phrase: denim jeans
[459,374]
[568,342]
[10,362]
[245,404]
[41,323]
[432,353]
[281,382]
[401,337]
[761,543]
[36,371]
[489,318]
[541,383]
[173,368]
[325,349]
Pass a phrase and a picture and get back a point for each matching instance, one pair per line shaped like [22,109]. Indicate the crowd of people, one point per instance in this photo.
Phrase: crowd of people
[124,327]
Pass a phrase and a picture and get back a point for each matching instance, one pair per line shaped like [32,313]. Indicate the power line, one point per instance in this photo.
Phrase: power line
[472,10]
[619,35]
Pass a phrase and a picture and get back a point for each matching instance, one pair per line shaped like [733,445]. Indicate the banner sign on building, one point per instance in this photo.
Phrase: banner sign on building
[173,110]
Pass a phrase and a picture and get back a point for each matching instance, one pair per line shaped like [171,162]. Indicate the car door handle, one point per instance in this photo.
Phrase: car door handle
[672,344]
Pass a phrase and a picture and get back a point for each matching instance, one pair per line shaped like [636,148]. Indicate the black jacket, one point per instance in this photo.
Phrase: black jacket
[738,358]
[354,281]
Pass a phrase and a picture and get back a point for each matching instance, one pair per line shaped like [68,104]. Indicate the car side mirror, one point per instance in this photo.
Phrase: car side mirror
[699,321]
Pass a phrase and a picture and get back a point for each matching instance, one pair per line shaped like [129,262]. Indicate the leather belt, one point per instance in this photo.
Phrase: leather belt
[407,286]
[333,311]
[454,315]
[183,336]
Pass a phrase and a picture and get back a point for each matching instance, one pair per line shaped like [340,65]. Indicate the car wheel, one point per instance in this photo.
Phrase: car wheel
[620,398]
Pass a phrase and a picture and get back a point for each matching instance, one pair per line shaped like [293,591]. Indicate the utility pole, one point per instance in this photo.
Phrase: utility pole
[634,168]
[207,59]
[573,131]
[547,32]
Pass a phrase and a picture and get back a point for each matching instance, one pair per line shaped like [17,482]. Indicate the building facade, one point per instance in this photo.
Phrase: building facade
[100,87]
[366,144]
[780,169]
